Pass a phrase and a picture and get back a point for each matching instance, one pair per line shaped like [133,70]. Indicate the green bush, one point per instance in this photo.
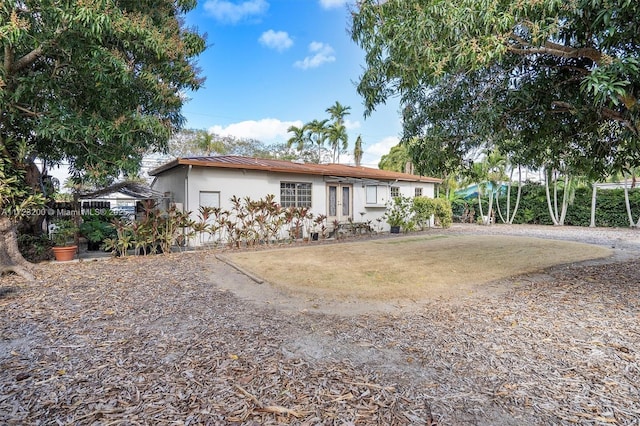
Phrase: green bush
[423,208]
[610,206]
[35,248]
[443,212]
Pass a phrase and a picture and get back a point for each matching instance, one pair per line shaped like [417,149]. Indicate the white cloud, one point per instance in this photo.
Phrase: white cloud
[266,130]
[373,153]
[330,4]
[321,53]
[351,125]
[231,12]
[278,40]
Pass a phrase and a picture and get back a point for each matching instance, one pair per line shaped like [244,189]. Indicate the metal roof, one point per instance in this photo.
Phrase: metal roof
[281,166]
[134,190]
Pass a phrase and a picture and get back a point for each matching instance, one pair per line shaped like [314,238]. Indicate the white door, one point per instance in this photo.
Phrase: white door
[339,202]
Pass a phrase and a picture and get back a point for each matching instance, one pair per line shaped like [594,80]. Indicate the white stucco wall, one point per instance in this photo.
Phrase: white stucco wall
[173,182]
[258,184]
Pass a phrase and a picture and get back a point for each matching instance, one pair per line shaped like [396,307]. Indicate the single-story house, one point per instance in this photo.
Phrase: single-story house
[340,192]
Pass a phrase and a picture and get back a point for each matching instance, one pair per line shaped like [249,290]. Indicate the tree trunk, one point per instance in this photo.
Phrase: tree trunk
[554,214]
[555,196]
[489,209]
[480,206]
[515,208]
[593,205]
[11,259]
[508,206]
[565,200]
[626,202]
[498,204]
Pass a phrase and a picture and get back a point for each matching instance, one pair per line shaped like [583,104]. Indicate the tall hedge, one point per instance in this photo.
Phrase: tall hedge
[610,206]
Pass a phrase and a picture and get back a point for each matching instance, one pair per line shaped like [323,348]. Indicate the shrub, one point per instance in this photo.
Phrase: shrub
[423,208]
[443,212]
[398,211]
[35,248]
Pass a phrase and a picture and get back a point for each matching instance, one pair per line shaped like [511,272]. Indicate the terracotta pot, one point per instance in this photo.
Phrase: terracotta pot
[64,254]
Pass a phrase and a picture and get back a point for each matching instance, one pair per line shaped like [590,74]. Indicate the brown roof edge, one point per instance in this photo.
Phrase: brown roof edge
[281,166]
[167,166]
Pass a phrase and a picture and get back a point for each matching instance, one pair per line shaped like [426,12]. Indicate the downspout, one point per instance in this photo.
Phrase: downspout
[186,196]
[186,188]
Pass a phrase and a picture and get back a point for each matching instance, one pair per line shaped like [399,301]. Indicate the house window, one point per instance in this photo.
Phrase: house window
[418,192]
[372,194]
[295,194]
[210,199]
[395,191]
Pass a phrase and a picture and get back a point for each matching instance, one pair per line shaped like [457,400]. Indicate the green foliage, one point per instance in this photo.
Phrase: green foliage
[548,82]
[358,151]
[396,160]
[423,208]
[35,248]
[157,231]
[16,200]
[443,212]
[398,211]
[337,131]
[93,84]
[314,135]
[610,207]
[96,228]
[65,232]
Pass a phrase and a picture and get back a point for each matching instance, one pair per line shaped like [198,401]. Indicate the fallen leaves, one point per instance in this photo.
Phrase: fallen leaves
[154,340]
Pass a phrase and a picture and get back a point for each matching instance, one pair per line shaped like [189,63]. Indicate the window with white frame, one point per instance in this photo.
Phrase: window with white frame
[295,194]
[210,199]
[395,191]
[418,192]
[371,194]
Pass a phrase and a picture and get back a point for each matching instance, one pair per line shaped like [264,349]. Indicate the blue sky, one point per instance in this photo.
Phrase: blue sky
[274,63]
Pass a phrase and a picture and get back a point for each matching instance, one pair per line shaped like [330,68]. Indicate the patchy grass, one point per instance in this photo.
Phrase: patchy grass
[410,267]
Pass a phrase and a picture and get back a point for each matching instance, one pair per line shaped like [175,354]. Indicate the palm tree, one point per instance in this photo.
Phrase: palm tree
[299,137]
[477,174]
[358,151]
[207,143]
[338,111]
[317,133]
[338,133]
[495,165]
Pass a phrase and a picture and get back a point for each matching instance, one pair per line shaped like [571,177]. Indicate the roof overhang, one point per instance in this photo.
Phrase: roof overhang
[328,171]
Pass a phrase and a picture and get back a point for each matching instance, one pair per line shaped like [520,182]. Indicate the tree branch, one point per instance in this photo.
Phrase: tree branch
[616,116]
[27,59]
[555,49]
[26,111]
[8,57]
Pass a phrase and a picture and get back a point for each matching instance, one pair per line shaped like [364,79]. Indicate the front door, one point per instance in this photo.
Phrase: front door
[339,202]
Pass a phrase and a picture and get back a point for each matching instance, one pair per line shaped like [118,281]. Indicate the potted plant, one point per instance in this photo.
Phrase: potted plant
[96,230]
[63,236]
[397,213]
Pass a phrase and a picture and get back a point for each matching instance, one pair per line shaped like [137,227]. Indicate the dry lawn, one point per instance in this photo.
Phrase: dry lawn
[419,267]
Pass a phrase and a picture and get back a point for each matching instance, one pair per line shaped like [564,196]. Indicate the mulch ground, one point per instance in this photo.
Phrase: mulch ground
[154,340]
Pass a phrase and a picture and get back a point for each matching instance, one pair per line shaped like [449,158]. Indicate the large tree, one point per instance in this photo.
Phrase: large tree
[396,160]
[530,69]
[93,83]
